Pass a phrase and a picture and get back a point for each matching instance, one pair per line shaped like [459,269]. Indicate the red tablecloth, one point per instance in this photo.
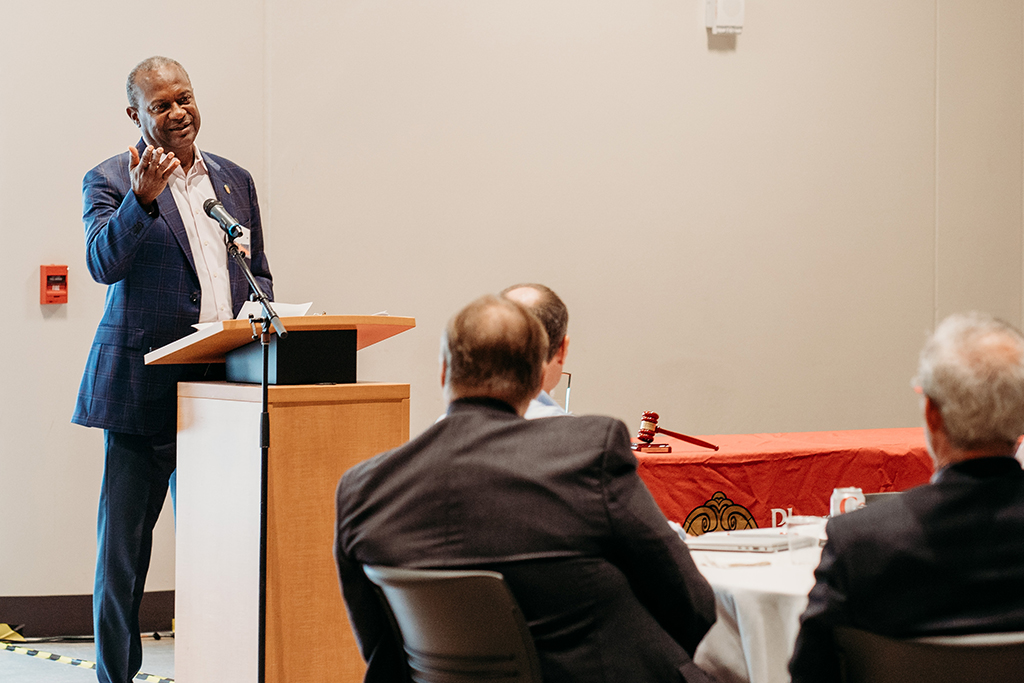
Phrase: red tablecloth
[758,479]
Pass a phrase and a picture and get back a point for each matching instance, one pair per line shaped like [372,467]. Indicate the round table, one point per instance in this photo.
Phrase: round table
[759,598]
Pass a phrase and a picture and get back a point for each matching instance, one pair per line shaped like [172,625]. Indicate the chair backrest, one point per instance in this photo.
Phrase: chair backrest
[978,658]
[458,626]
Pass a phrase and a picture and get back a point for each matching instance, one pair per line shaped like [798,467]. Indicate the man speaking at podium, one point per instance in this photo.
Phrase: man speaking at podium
[166,264]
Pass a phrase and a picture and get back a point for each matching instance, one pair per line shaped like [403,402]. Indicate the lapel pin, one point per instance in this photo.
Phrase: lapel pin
[227,189]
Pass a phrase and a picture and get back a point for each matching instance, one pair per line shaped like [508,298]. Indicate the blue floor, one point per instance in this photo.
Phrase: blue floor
[17,667]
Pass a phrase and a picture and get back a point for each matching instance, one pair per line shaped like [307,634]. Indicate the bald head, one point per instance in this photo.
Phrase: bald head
[553,314]
[971,372]
[494,347]
[547,306]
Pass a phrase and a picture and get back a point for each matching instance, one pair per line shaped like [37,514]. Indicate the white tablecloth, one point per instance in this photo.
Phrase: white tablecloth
[759,599]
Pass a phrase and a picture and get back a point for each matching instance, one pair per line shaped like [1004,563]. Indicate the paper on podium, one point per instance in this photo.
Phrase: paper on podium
[256,310]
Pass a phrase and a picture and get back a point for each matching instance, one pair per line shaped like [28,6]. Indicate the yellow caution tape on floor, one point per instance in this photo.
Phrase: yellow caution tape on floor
[81,663]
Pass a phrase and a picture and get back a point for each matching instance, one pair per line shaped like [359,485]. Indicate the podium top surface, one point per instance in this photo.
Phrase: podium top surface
[212,343]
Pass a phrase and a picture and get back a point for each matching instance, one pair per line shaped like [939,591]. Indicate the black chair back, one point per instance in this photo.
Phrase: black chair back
[981,658]
[458,626]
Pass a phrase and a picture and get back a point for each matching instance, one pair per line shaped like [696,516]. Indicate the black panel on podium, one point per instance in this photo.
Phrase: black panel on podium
[303,357]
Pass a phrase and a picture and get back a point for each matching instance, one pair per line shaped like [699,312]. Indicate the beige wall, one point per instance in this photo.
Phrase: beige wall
[750,237]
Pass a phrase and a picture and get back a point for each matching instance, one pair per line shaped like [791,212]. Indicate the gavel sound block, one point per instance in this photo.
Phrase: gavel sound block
[649,427]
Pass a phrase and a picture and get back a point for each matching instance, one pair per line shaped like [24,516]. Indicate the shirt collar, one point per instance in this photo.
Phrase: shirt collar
[198,165]
[545,398]
[469,403]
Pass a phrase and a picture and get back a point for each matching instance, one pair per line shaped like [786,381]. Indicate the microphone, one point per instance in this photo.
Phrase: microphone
[215,210]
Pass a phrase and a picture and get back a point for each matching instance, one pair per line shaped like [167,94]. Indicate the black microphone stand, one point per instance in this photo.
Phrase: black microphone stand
[269,319]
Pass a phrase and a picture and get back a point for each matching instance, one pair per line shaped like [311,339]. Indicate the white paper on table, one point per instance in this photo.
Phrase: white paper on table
[253,307]
[282,309]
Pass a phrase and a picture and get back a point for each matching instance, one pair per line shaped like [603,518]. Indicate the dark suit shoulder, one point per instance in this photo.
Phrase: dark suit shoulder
[118,160]
[114,168]
[602,439]
[590,427]
[223,164]
[607,434]
[883,522]
[949,502]
[361,471]
[380,466]
[117,165]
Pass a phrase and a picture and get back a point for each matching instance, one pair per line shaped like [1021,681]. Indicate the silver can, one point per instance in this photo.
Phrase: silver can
[845,499]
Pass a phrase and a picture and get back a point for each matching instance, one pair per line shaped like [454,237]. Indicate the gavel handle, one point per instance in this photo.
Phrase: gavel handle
[689,439]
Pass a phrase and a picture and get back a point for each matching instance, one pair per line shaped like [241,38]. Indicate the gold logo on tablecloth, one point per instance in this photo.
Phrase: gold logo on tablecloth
[718,514]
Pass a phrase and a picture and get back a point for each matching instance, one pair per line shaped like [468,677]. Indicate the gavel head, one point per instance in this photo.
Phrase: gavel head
[648,427]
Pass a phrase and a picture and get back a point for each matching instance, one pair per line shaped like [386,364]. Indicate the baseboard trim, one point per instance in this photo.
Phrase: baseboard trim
[49,616]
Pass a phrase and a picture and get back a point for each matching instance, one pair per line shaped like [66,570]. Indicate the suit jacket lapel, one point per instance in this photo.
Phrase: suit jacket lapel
[169,212]
[234,200]
[223,187]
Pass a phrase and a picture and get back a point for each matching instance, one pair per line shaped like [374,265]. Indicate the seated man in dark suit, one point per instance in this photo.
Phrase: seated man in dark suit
[947,557]
[608,589]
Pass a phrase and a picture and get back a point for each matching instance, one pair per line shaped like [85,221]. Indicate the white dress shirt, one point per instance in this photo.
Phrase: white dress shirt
[205,238]
[543,406]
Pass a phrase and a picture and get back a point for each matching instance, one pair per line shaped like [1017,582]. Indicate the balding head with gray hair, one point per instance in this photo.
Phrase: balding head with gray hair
[972,369]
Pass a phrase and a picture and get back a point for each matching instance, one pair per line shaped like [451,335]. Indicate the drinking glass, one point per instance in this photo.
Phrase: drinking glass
[804,535]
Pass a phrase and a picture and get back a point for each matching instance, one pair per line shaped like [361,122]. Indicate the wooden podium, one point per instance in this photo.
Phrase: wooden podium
[316,433]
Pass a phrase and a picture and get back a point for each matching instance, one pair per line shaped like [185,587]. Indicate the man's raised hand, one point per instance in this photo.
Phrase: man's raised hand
[150,173]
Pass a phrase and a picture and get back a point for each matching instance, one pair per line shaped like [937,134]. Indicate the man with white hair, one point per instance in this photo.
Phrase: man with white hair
[947,557]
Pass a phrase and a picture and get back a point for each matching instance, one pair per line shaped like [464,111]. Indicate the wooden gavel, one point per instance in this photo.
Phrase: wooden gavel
[649,427]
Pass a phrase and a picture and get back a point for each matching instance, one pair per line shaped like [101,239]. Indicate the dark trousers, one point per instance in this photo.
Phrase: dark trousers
[135,481]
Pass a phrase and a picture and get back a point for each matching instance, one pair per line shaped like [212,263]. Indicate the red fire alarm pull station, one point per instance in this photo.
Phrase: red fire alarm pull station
[53,284]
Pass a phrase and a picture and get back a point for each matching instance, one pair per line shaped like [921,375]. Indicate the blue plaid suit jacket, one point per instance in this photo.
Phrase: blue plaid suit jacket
[153,296]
